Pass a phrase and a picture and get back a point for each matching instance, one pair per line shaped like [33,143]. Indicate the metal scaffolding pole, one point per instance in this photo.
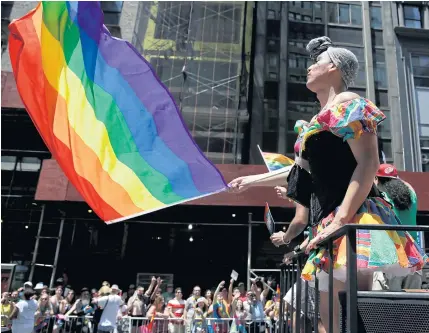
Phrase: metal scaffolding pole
[36,246]
[249,249]
[57,253]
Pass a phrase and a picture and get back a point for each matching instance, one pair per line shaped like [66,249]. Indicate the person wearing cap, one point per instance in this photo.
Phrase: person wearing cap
[403,199]
[28,285]
[336,160]
[110,305]
[199,322]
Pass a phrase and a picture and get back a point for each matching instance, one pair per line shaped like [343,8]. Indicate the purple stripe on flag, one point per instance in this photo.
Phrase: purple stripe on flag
[155,97]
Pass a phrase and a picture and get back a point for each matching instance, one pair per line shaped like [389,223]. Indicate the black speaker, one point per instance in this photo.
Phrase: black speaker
[388,312]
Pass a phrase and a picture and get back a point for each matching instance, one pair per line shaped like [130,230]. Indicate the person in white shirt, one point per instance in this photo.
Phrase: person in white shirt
[110,305]
[24,313]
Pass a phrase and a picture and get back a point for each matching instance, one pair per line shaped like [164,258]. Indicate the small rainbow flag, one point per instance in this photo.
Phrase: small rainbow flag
[107,119]
[275,161]
[277,295]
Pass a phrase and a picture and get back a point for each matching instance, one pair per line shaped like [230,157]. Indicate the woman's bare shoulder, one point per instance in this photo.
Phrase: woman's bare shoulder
[346,96]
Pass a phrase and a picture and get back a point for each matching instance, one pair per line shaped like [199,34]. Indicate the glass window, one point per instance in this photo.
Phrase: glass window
[421,81]
[375,13]
[306,18]
[272,60]
[422,100]
[307,4]
[317,5]
[356,14]
[412,17]
[292,61]
[112,6]
[380,75]
[420,65]
[386,147]
[381,98]
[384,127]
[333,12]
[271,14]
[291,16]
[377,37]
[8,162]
[346,35]
[344,14]
[112,11]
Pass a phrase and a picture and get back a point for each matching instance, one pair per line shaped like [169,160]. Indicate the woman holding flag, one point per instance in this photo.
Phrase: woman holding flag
[333,177]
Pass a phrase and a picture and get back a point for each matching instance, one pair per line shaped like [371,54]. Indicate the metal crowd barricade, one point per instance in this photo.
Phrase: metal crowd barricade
[290,275]
[127,324]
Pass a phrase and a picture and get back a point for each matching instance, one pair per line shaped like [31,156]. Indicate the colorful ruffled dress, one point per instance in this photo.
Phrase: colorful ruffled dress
[322,143]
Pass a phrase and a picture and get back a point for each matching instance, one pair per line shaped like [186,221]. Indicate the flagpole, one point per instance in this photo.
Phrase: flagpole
[266,164]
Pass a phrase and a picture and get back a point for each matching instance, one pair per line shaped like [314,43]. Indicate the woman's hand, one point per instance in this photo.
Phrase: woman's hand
[331,228]
[278,239]
[281,192]
[240,184]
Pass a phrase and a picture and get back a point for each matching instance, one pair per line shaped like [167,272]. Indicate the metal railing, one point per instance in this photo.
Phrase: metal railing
[129,324]
[291,275]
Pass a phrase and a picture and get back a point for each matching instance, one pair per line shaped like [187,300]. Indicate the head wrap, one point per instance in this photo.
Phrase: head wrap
[342,58]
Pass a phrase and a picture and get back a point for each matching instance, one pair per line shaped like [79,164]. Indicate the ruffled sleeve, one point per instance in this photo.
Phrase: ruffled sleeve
[350,119]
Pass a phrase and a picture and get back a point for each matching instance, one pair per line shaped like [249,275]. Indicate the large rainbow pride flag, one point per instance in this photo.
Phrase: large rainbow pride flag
[105,116]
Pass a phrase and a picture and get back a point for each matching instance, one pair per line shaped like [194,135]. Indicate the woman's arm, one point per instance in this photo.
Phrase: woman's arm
[151,286]
[231,283]
[271,179]
[296,227]
[218,289]
[365,151]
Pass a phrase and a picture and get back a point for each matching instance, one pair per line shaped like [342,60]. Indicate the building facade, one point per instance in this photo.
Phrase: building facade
[372,30]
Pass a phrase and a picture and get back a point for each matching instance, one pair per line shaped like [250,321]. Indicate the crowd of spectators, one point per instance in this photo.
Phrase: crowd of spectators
[231,309]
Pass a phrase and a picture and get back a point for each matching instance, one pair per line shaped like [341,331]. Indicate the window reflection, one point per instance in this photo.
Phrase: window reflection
[375,13]
[412,17]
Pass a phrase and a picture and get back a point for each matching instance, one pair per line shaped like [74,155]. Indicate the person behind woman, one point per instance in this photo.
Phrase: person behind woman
[239,314]
[199,323]
[209,296]
[7,308]
[157,311]
[221,307]
[137,308]
[333,177]
[403,199]
[44,313]
[55,301]
[64,307]
[24,313]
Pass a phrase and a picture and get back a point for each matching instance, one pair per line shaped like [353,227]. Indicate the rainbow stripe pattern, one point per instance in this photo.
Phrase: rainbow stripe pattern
[105,116]
[275,161]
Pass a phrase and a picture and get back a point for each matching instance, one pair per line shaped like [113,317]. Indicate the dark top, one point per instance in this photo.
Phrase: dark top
[330,158]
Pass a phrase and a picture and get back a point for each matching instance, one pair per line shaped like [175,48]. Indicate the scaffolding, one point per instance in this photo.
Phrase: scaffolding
[201,50]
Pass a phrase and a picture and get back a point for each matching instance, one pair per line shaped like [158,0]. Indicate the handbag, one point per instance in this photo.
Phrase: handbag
[98,312]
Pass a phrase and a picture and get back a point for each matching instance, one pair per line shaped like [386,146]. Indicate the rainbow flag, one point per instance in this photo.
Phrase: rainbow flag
[107,119]
[275,161]
[277,295]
